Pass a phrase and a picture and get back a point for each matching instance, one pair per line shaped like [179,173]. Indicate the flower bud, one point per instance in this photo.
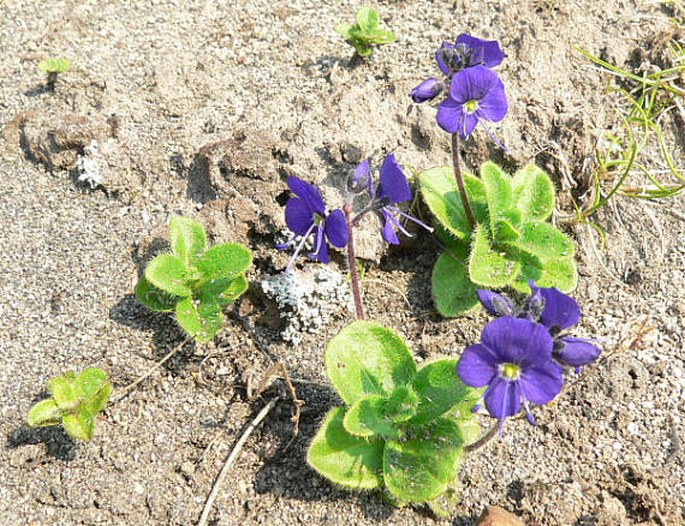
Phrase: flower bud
[427,90]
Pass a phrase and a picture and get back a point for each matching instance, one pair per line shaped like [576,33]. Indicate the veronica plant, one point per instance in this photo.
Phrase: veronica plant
[194,282]
[74,402]
[494,227]
[403,429]
[365,32]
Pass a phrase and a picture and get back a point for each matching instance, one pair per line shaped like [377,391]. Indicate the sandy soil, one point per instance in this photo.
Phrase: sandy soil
[202,108]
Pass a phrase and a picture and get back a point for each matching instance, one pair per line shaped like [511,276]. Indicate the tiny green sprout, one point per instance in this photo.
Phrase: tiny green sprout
[194,282]
[54,65]
[365,32]
[75,401]
[403,429]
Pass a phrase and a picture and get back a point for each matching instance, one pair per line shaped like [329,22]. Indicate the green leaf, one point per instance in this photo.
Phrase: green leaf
[366,418]
[439,388]
[498,193]
[153,298]
[93,388]
[367,19]
[44,413]
[420,469]
[226,260]
[54,65]
[440,192]
[236,289]
[168,273]
[490,267]
[402,404]
[200,319]
[79,425]
[453,292]
[187,237]
[62,390]
[344,459]
[383,36]
[365,358]
[559,273]
[362,49]
[545,241]
[470,430]
[533,193]
[344,30]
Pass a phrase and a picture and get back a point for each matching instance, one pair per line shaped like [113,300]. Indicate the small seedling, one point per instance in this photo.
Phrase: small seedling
[193,281]
[75,401]
[510,243]
[365,33]
[54,65]
[402,429]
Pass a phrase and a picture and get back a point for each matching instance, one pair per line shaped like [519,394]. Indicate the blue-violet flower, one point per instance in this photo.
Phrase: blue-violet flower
[514,361]
[392,189]
[305,213]
[466,52]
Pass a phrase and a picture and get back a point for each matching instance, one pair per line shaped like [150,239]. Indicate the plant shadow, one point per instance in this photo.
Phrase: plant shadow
[57,443]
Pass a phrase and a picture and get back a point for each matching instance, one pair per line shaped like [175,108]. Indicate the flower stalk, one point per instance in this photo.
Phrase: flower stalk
[460,181]
[352,263]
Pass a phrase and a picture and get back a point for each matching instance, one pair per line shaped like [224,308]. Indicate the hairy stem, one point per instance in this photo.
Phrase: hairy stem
[460,181]
[352,263]
[483,440]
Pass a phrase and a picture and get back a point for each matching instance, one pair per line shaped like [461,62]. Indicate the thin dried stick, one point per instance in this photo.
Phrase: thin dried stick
[232,456]
[121,393]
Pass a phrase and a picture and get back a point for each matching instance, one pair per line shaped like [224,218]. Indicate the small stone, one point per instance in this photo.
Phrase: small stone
[496,516]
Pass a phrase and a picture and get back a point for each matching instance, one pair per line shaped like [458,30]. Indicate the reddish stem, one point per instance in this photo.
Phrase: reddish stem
[352,263]
[460,181]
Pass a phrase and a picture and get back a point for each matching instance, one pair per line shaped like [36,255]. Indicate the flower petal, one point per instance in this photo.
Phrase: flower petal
[473,84]
[320,252]
[388,229]
[468,124]
[486,52]
[336,228]
[503,398]
[449,115]
[477,365]
[298,216]
[309,194]
[560,310]
[576,352]
[518,341]
[494,303]
[540,384]
[393,183]
[494,106]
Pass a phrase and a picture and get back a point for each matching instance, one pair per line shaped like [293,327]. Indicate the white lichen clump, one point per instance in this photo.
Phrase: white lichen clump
[307,301]
[88,165]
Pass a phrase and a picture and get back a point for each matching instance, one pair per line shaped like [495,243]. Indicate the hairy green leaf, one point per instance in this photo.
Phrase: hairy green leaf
[153,298]
[366,418]
[367,20]
[44,413]
[453,292]
[402,404]
[168,272]
[498,193]
[439,388]
[187,237]
[236,289]
[440,192]
[533,193]
[226,260]
[64,393]
[545,241]
[420,469]
[559,273]
[488,266]
[365,358]
[93,388]
[79,425]
[344,30]
[345,459]
[383,36]
[200,319]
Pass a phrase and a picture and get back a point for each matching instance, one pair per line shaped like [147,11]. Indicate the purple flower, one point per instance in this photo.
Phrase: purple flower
[476,95]
[427,90]
[392,189]
[305,213]
[514,361]
[557,312]
[466,52]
